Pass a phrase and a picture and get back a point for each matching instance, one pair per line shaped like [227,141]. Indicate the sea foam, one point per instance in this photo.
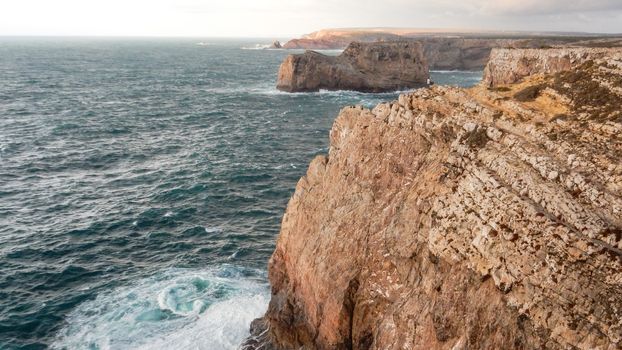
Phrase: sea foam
[176,309]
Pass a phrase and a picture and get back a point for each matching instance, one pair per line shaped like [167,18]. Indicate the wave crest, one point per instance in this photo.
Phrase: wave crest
[176,309]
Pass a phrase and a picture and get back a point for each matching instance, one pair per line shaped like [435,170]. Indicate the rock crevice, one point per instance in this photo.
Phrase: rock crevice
[459,219]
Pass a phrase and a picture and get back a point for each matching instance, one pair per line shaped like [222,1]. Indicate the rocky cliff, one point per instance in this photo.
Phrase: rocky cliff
[460,219]
[367,67]
[448,49]
[509,66]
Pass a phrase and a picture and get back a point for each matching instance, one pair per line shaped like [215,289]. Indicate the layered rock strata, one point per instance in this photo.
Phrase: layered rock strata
[509,66]
[367,67]
[460,219]
[449,50]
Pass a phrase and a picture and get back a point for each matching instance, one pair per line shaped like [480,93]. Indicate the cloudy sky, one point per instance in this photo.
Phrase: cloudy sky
[287,18]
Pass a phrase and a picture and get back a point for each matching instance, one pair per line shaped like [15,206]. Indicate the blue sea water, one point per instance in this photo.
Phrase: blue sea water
[142,183]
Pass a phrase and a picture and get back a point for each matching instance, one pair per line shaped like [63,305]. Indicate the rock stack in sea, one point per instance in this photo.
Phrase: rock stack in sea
[367,67]
[483,218]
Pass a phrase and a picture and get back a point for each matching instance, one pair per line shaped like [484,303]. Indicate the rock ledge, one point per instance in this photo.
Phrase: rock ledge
[460,219]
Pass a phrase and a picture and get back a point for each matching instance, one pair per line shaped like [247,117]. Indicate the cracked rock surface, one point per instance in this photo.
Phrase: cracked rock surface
[460,219]
[367,67]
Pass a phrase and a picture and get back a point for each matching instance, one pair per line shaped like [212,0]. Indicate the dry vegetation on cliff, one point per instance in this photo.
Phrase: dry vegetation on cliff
[488,218]
[453,49]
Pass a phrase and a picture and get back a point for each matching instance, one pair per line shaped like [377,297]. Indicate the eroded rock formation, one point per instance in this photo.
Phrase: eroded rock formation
[508,66]
[445,49]
[367,67]
[460,219]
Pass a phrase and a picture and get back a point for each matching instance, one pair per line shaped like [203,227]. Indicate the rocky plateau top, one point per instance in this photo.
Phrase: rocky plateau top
[450,49]
[482,218]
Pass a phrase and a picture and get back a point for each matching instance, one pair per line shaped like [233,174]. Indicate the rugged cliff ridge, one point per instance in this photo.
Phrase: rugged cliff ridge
[441,53]
[367,67]
[460,219]
[508,66]
[450,49]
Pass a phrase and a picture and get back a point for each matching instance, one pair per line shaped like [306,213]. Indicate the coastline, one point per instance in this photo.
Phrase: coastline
[457,218]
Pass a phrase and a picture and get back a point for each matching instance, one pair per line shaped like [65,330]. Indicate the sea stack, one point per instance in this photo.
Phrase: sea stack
[366,67]
[482,218]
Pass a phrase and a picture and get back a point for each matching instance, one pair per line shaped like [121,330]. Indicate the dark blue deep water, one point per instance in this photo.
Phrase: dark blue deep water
[142,183]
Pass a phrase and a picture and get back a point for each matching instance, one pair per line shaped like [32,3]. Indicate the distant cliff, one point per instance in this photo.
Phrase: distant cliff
[367,67]
[448,49]
[483,218]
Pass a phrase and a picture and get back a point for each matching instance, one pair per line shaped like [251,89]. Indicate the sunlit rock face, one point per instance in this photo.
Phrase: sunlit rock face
[483,218]
[366,67]
[507,66]
[448,50]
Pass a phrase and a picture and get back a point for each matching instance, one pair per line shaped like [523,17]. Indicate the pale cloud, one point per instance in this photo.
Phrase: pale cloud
[286,18]
[545,7]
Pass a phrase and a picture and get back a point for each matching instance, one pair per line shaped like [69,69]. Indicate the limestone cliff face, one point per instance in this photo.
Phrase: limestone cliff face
[461,51]
[441,53]
[367,67]
[507,66]
[460,219]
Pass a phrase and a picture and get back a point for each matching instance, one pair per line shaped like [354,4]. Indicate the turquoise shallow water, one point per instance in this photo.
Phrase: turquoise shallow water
[142,183]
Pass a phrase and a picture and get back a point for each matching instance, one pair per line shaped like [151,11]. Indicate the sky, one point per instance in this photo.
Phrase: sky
[292,18]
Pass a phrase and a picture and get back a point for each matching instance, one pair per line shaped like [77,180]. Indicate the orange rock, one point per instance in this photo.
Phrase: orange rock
[367,67]
[435,223]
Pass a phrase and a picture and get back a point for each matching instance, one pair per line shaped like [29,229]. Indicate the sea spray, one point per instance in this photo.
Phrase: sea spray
[122,159]
[175,309]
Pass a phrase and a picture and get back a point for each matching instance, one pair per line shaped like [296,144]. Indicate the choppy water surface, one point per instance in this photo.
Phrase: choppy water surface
[142,184]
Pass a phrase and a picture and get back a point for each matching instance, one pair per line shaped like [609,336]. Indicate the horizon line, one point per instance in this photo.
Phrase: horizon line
[421,31]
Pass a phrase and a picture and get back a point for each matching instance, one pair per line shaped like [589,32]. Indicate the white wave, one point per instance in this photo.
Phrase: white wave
[180,300]
[363,98]
[358,93]
[212,229]
[208,333]
[205,44]
[257,47]
[176,309]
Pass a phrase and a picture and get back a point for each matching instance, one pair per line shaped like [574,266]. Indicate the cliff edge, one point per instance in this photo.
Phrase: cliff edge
[457,49]
[367,67]
[460,219]
[508,66]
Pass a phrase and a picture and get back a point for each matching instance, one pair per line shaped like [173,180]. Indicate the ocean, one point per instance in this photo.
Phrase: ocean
[142,184]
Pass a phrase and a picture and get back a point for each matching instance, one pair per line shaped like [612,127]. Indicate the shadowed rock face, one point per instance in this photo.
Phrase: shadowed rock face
[460,219]
[367,67]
